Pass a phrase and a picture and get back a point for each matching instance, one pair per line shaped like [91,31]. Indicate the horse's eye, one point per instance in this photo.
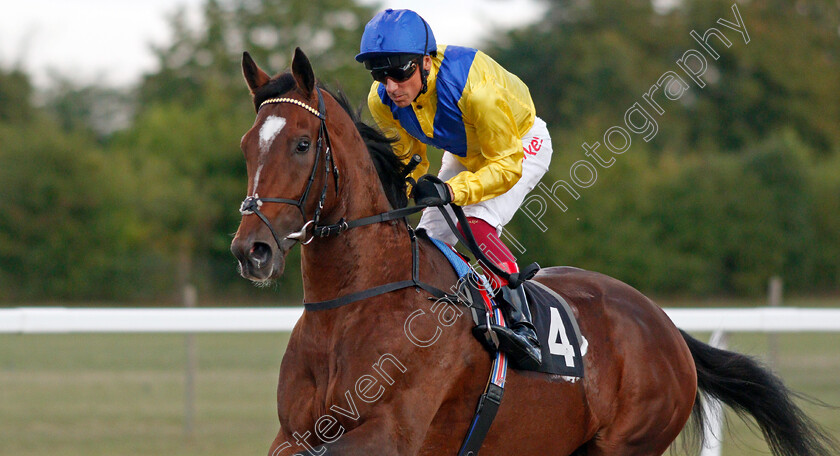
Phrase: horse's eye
[302,146]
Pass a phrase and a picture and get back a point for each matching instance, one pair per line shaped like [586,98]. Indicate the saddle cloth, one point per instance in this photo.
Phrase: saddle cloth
[557,330]
[555,323]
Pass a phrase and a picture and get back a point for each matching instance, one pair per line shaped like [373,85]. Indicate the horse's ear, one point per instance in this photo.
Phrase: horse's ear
[302,71]
[254,76]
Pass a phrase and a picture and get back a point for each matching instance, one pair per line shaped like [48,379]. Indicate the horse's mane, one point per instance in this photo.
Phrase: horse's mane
[389,166]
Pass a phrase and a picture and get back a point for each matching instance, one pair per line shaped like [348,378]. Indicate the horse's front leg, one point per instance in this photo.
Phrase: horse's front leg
[394,422]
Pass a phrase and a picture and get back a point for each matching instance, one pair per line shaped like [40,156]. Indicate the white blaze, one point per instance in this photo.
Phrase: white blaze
[270,128]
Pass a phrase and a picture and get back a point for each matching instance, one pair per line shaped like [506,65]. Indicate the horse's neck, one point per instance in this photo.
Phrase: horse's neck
[356,260]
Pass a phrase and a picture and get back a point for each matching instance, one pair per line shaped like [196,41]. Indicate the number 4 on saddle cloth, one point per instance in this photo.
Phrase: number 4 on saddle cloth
[556,327]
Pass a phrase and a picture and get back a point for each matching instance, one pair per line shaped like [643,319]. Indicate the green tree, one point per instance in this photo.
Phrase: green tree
[783,166]
[718,229]
[69,230]
[717,225]
[15,97]
[781,79]
[826,224]
[97,109]
[588,62]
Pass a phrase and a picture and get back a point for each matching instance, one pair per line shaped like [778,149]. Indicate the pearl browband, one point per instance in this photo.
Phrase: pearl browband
[293,101]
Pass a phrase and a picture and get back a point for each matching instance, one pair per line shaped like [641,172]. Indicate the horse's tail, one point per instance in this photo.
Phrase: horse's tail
[750,389]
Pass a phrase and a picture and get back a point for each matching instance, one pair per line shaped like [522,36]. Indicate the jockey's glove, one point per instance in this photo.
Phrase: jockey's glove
[431,191]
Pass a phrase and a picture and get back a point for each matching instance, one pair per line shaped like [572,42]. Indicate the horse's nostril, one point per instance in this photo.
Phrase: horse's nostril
[260,254]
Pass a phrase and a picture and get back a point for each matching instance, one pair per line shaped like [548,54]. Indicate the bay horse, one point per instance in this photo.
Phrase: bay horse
[354,382]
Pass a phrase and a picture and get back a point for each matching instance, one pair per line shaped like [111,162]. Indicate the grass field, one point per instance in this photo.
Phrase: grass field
[124,394]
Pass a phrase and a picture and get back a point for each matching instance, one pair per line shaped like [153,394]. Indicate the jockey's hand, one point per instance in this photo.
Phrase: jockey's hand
[431,191]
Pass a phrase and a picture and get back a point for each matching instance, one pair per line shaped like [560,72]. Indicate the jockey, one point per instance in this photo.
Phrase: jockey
[495,148]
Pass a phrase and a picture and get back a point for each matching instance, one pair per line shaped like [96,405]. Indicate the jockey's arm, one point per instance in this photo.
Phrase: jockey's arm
[499,167]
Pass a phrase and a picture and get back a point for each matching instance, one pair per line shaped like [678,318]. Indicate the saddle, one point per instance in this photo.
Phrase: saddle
[556,327]
[561,343]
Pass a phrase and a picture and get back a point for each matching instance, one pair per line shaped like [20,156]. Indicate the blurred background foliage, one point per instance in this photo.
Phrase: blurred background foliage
[116,195]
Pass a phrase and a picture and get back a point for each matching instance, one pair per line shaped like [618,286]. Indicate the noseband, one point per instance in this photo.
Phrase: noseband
[252,204]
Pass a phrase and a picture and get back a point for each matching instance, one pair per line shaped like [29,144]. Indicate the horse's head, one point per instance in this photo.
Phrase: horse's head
[301,138]
[288,157]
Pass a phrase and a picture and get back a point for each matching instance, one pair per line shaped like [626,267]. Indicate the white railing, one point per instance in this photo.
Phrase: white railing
[47,320]
[44,320]
[719,321]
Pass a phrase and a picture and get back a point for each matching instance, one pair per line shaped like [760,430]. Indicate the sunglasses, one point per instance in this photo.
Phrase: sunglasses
[397,73]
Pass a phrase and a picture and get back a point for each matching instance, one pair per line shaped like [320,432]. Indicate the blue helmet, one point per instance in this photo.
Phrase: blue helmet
[396,32]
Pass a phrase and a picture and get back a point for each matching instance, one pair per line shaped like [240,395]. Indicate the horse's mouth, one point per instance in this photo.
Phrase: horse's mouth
[260,273]
[257,276]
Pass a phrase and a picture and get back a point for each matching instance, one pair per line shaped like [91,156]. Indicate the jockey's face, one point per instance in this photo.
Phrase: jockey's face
[403,93]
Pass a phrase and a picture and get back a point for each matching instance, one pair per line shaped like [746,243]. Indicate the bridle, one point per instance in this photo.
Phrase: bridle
[252,204]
